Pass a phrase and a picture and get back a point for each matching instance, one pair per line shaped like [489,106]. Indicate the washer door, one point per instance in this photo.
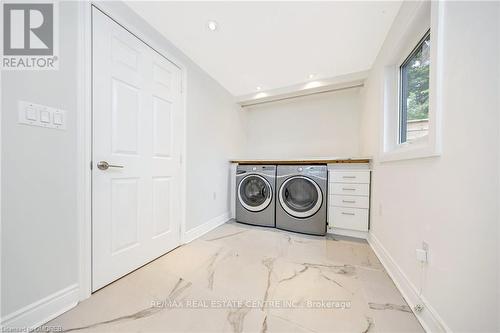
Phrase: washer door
[255,193]
[300,197]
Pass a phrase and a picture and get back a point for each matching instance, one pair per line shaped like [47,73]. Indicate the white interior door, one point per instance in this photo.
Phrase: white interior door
[137,130]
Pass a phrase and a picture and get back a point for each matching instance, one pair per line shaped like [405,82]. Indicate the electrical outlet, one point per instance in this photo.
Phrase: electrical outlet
[421,255]
[418,308]
[379,209]
[214,195]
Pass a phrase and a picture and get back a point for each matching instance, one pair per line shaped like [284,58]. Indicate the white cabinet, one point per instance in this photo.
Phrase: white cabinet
[349,176]
[349,189]
[348,201]
[349,218]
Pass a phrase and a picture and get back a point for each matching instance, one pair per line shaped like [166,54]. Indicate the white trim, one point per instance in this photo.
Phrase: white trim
[410,152]
[430,146]
[84,148]
[107,8]
[347,232]
[1,113]
[428,318]
[200,230]
[40,312]
[84,129]
[348,81]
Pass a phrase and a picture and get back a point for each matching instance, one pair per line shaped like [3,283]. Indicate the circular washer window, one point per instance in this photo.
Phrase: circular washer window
[255,193]
[300,197]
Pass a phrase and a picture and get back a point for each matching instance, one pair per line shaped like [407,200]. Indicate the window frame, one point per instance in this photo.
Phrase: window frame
[423,17]
[402,107]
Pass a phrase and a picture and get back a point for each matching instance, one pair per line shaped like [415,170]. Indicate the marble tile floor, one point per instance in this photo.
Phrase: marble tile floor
[240,278]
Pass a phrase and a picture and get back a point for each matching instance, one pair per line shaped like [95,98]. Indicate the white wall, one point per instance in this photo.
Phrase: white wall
[39,222]
[451,201]
[214,134]
[39,169]
[313,126]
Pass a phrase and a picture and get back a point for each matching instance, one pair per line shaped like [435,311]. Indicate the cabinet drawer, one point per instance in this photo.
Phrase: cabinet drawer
[358,177]
[352,201]
[349,189]
[348,218]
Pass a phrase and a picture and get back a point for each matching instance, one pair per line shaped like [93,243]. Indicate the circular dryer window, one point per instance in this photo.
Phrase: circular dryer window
[254,193]
[300,197]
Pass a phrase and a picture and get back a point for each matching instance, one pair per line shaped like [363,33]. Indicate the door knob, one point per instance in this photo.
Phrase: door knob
[103,165]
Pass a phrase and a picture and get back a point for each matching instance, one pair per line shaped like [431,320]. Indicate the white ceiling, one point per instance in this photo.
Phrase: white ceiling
[273,44]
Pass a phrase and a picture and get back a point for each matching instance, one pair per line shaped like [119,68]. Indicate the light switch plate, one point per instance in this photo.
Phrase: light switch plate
[45,116]
[31,113]
[58,118]
[40,115]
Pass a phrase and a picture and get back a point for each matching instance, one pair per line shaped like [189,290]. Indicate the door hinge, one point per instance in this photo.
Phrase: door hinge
[91,162]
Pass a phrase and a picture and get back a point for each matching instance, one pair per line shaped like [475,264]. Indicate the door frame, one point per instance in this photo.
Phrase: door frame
[85,135]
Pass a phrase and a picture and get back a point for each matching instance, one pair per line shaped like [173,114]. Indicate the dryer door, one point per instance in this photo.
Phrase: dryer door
[255,193]
[300,197]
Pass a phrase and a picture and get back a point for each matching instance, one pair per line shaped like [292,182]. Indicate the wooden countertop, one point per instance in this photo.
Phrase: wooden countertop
[304,161]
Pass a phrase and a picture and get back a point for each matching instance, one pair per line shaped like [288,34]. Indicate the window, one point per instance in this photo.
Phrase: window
[414,93]
[412,84]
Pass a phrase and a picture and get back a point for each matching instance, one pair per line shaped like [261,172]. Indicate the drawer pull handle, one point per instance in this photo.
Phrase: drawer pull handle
[349,201]
[348,189]
[344,213]
[348,176]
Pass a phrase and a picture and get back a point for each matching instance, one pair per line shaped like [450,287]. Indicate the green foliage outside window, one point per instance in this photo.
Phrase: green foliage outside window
[417,98]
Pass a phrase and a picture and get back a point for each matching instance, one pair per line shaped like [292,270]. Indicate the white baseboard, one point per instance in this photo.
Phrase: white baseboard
[347,232]
[200,230]
[44,310]
[428,317]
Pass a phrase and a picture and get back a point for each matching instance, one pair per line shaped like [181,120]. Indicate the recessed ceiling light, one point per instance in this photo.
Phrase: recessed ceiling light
[311,76]
[312,84]
[258,88]
[212,25]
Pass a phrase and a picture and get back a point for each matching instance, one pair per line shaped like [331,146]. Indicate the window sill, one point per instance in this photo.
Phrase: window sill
[409,153]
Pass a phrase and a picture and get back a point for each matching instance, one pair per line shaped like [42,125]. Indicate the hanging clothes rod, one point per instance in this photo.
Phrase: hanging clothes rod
[299,95]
